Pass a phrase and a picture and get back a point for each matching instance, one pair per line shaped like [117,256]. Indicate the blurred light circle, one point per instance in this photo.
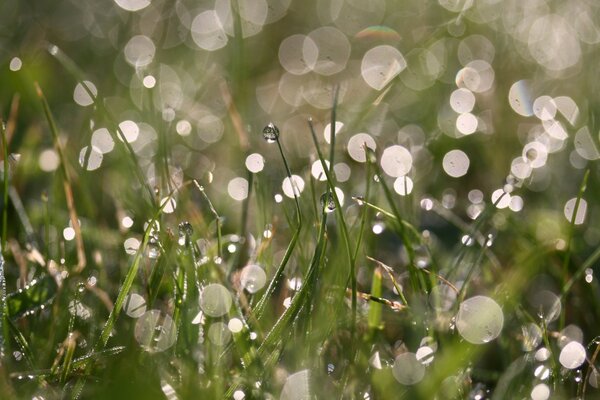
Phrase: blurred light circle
[298,54]
[317,171]
[572,355]
[207,31]
[139,51]
[544,108]
[81,95]
[255,163]
[520,99]
[380,65]
[333,47]
[500,198]
[215,300]
[183,127]
[132,5]
[477,76]
[235,325]
[479,320]
[552,43]
[356,145]
[541,391]
[475,47]
[49,160]
[536,154]
[462,100]
[134,305]
[581,210]
[15,64]
[237,188]
[407,369]
[219,333]
[253,278]
[69,233]
[130,130]
[403,185]
[131,245]
[467,123]
[327,130]
[585,145]
[396,161]
[90,158]
[294,187]
[342,172]
[155,331]
[102,140]
[456,163]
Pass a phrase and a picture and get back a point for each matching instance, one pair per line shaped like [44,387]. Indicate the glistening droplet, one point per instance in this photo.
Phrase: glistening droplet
[270,133]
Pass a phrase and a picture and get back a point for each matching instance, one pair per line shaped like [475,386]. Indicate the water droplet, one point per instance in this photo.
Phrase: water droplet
[328,202]
[270,133]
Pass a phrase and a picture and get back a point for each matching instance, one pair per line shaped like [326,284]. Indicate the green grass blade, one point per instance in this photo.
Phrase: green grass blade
[5,185]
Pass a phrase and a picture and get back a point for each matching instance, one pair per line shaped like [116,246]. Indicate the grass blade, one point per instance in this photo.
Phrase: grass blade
[81,259]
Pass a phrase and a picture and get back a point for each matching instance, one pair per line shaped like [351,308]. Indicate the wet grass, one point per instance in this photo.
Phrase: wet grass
[353,285]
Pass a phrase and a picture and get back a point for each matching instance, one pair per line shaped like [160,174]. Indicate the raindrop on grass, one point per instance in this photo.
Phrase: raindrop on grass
[479,320]
[215,300]
[328,202]
[134,305]
[253,278]
[270,133]
[155,331]
[408,370]
[185,232]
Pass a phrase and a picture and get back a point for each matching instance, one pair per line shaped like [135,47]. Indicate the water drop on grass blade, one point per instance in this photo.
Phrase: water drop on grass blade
[270,133]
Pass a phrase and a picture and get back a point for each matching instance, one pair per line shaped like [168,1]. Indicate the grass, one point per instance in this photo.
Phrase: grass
[363,289]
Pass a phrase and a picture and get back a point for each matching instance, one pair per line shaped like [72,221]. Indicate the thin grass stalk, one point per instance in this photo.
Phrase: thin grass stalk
[344,227]
[274,283]
[5,185]
[567,257]
[81,259]
[4,317]
[214,213]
